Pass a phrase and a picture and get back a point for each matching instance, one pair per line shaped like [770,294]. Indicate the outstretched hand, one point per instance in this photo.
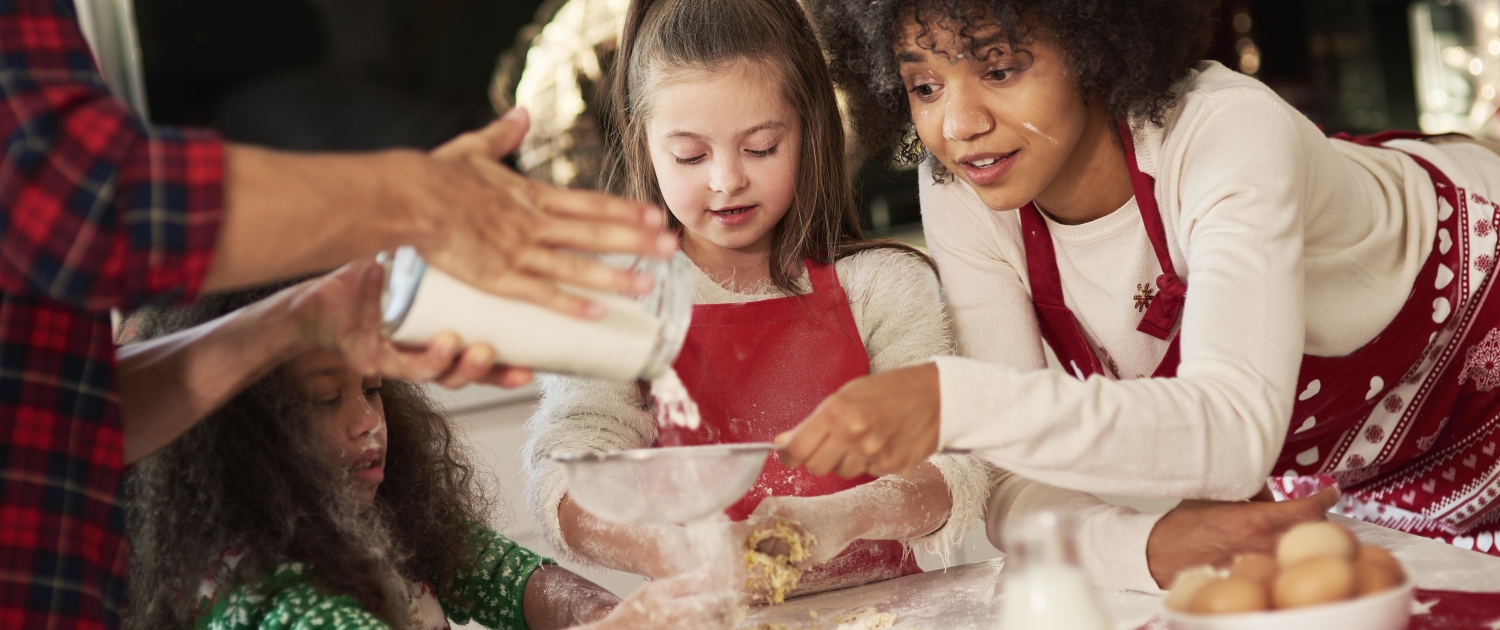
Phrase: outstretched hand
[1213,532]
[340,312]
[881,424]
[516,237]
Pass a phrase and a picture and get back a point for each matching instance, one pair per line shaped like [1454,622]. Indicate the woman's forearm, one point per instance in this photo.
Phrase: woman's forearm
[654,551]
[558,598]
[169,384]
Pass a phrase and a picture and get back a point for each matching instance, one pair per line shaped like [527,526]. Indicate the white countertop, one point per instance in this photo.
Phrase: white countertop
[968,596]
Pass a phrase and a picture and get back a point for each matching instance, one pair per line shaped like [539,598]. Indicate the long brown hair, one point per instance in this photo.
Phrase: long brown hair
[823,222]
[252,479]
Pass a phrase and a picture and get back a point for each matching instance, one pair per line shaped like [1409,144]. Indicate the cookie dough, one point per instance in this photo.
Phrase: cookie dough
[870,619]
[773,576]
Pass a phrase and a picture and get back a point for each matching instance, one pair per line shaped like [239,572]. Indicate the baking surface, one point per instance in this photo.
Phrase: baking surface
[962,597]
[968,596]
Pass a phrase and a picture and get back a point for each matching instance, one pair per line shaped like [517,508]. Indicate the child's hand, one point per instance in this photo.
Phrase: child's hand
[826,518]
[880,424]
[340,312]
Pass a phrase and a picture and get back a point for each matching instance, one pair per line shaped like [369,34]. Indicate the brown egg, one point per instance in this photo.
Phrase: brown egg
[1315,540]
[1230,595]
[1375,570]
[1317,581]
[1381,556]
[1185,586]
[1256,567]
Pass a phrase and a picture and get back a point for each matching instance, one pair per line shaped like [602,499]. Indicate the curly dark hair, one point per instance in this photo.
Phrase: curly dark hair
[1128,54]
[253,479]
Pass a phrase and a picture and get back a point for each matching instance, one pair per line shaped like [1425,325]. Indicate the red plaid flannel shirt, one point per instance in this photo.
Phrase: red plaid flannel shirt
[97,211]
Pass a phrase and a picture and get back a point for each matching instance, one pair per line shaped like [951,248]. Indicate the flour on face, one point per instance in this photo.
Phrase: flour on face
[1032,128]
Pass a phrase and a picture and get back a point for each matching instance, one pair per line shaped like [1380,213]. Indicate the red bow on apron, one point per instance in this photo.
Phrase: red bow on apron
[758,369]
[1409,424]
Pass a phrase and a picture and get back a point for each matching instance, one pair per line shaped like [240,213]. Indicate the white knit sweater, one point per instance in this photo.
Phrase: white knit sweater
[897,309]
[1289,242]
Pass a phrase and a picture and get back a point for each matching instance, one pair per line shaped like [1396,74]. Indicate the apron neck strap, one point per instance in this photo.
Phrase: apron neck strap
[823,277]
[1041,259]
[1161,316]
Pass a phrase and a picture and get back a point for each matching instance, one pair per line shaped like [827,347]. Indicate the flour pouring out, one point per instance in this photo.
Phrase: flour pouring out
[674,407]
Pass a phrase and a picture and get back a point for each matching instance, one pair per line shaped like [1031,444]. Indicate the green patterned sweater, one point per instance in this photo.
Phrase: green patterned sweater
[289,601]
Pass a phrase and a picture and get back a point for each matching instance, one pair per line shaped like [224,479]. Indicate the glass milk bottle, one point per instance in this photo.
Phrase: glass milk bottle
[1043,586]
[636,338]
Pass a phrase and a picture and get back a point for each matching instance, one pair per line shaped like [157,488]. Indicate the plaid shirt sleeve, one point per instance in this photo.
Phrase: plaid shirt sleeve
[97,209]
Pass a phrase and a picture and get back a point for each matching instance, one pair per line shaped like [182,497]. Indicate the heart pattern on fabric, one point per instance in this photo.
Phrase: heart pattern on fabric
[1471,460]
[1445,209]
[1450,474]
[1489,449]
[1444,276]
[1463,542]
[1441,308]
[1445,241]
[1410,496]
[1313,387]
[1376,385]
[1484,541]
[1309,423]
[1308,457]
[1429,486]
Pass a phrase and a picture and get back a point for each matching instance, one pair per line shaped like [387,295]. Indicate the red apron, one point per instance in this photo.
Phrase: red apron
[1408,425]
[758,369]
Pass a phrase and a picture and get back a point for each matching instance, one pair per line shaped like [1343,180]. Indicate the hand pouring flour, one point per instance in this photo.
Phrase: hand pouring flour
[636,339]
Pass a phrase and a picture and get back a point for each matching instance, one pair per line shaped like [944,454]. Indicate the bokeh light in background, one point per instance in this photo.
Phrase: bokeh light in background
[366,74]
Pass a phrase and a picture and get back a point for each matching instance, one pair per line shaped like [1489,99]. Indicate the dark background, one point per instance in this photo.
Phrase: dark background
[370,74]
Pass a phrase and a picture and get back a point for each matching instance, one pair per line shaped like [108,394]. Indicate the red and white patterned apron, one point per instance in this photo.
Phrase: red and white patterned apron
[758,369]
[1408,425]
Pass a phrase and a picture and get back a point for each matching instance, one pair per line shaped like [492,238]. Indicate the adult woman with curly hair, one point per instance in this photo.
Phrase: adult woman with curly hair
[1229,293]
[322,497]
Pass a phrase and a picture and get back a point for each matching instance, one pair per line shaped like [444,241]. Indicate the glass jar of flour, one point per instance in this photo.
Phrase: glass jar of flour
[636,338]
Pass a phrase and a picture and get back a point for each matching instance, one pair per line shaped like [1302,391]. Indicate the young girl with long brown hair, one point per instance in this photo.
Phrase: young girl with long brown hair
[728,118]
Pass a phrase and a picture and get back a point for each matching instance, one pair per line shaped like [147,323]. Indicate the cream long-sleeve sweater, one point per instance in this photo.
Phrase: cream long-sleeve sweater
[1290,243]
[896,306]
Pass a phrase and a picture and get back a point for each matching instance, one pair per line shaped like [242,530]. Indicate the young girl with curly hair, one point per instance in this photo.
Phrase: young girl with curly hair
[323,497]
[1229,293]
[728,118]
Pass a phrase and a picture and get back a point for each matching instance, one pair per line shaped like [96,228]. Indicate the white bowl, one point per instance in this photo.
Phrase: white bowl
[673,484]
[1389,610]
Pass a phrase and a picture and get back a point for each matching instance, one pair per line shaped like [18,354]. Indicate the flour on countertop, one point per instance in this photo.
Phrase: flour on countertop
[870,619]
